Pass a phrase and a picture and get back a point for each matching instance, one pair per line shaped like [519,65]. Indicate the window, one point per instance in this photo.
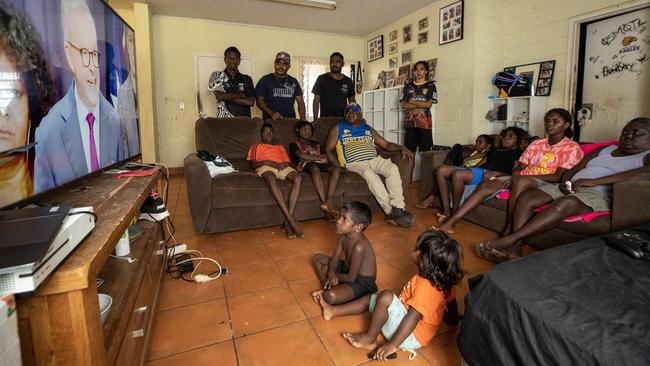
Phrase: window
[311,69]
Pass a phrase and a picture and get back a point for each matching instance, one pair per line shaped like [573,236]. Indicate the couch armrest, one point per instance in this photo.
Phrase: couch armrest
[630,206]
[405,166]
[199,191]
[430,160]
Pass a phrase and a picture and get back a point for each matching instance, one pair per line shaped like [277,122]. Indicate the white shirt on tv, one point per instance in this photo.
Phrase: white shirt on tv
[82,112]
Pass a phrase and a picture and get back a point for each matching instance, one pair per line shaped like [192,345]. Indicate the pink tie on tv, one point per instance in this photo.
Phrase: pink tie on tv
[94,162]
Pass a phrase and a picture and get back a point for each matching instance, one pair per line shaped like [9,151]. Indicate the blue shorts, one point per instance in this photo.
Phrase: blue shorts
[477,175]
[396,312]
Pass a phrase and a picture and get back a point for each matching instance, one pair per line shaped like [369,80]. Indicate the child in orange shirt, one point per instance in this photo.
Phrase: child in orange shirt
[271,162]
[411,320]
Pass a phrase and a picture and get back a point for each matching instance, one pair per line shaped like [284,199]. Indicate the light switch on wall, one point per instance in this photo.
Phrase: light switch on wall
[181,106]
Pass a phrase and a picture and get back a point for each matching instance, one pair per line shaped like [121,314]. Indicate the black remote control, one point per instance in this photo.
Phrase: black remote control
[635,244]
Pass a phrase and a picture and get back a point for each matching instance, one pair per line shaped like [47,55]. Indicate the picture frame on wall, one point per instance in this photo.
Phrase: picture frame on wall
[406,33]
[423,23]
[406,57]
[392,36]
[392,48]
[423,37]
[433,64]
[545,79]
[376,48]
[451,22]
[392,62]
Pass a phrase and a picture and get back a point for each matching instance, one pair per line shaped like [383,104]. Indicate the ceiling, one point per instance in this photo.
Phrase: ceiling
[351,17]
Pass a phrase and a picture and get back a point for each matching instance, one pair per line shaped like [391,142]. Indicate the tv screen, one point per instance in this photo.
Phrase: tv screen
[67,94]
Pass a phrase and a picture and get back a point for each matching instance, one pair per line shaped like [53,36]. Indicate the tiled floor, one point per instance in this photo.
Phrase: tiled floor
[262,312]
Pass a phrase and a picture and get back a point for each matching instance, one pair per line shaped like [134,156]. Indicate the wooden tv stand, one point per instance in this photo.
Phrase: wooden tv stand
[60,324]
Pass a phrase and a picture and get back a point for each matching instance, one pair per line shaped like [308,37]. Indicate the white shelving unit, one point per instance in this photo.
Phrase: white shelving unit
[381,109]
[524,112]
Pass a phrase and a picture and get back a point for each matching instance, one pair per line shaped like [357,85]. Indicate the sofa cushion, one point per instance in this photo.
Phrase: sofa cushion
[284,130]
[322,127]
[587,148]
[228,137]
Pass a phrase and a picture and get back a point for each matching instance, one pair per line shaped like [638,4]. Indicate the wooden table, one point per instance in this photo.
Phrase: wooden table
[60,323]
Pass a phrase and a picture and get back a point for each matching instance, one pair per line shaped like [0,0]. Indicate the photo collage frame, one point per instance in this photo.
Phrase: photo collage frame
[376,48]
[451,23]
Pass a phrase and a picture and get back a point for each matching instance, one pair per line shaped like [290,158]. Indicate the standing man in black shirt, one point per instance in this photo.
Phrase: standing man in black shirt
[333,90]
[238,94]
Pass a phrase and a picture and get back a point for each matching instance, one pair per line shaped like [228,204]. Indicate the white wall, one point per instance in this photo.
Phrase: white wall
[177,40]
[497,33]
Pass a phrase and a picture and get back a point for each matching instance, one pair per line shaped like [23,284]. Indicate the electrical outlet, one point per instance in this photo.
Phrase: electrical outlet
[181,106]
[178,248]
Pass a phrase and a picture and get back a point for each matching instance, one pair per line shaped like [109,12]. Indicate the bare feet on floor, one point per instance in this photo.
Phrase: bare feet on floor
[296,230]
[427,202]
[288,231]
[328,314]
[441,217]
[315,295]
[360,340]
[488,251]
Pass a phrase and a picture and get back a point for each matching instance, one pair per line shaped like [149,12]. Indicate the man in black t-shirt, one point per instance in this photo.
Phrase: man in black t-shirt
[238,94]
[333,90]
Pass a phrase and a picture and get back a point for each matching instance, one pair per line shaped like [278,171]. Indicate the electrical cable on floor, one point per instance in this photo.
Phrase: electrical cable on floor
[168,225]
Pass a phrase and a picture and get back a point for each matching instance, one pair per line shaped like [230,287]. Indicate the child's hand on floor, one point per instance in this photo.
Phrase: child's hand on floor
[384,351]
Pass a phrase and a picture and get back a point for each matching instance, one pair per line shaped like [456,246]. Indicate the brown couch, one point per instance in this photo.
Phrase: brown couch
[241,200]
[631,207]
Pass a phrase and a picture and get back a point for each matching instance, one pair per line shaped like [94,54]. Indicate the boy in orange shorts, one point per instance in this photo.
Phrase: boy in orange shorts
[271,162]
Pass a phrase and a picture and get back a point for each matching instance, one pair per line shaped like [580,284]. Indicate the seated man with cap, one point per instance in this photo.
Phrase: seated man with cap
[355,147]
[277,92]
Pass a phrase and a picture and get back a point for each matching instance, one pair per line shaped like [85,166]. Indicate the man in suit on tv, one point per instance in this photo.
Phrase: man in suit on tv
[82,132]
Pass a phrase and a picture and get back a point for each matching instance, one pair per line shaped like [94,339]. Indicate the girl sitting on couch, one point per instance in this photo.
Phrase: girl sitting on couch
[498,162]
[543,161]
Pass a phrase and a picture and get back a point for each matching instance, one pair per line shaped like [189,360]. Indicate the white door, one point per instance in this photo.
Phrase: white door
[616,78]
[204,66]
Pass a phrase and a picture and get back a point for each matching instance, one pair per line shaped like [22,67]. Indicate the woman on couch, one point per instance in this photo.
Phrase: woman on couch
[587,188]
[543,161]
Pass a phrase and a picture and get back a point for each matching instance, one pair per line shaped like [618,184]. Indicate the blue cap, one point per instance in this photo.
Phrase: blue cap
[354,107]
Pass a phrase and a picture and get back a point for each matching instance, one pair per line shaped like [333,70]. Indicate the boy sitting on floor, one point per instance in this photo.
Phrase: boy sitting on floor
[271,162]
[354,277]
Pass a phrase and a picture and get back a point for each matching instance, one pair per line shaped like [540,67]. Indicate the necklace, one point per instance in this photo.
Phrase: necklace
[284,85]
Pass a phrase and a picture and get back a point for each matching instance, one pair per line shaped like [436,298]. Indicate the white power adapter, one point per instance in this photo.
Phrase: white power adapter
[202,278]
[176,249]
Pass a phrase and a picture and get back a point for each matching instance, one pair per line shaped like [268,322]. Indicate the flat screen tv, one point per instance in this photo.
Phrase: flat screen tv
[67,95]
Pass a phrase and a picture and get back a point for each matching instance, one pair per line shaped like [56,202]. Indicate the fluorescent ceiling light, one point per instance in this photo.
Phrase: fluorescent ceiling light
[323,4]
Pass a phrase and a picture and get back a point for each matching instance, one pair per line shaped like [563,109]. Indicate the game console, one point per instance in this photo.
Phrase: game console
[26,277]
